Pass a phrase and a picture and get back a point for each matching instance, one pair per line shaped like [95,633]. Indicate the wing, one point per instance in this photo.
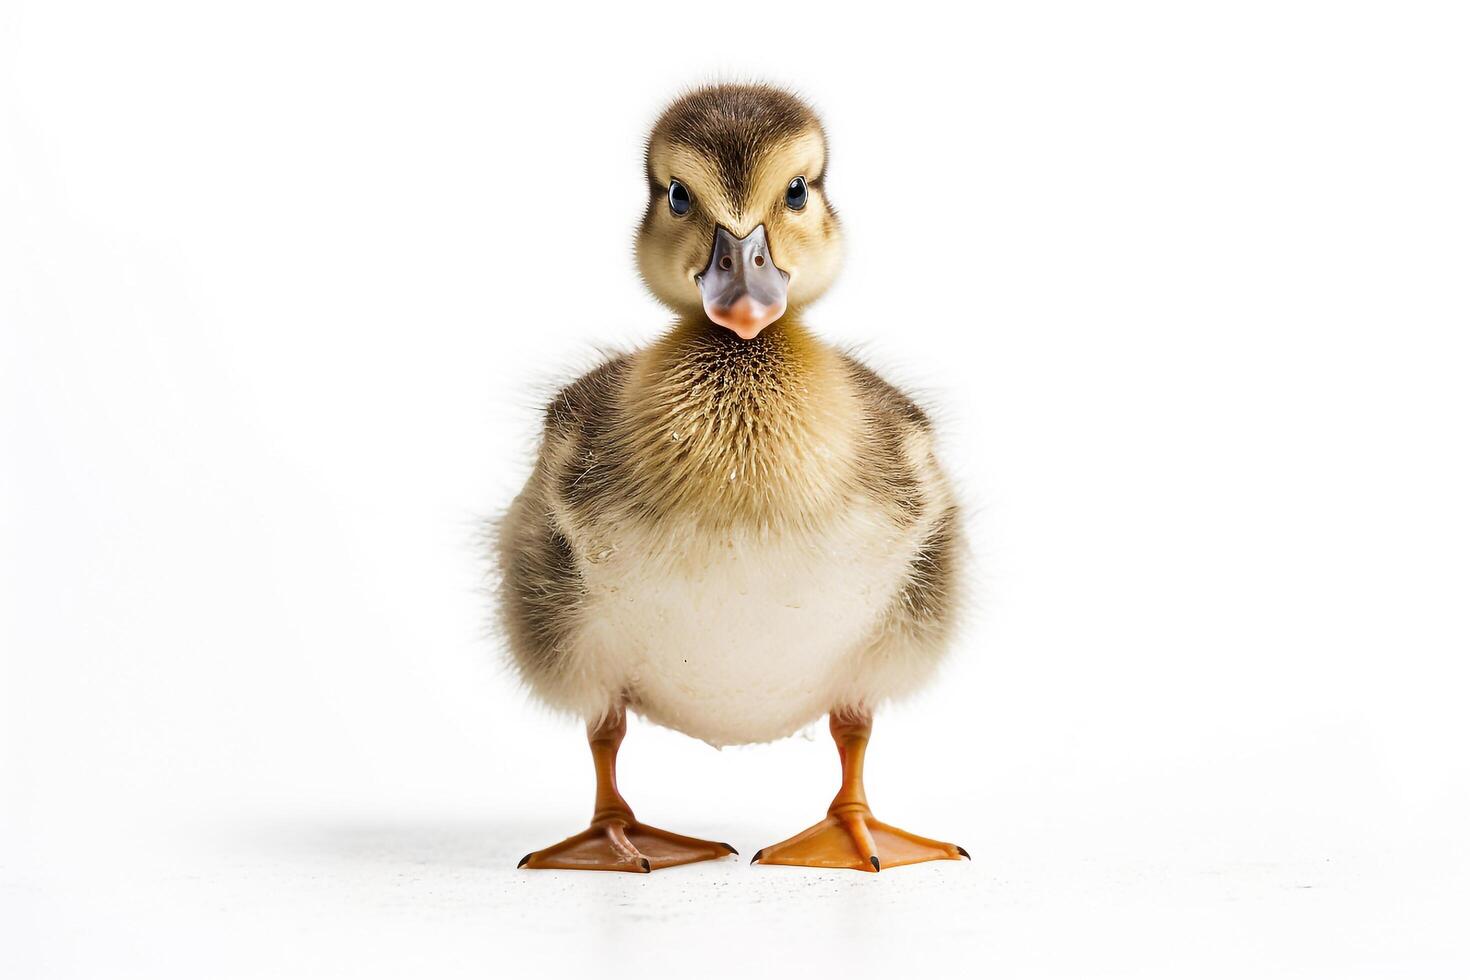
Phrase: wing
[541,589]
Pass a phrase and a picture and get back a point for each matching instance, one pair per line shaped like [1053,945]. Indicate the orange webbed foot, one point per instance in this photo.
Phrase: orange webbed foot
[625,845]
[616,841]
[851,837]
[854,838]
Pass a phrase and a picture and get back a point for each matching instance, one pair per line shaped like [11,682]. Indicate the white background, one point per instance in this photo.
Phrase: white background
[283,284]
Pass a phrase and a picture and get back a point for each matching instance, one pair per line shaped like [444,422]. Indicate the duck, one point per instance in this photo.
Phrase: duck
[740,527]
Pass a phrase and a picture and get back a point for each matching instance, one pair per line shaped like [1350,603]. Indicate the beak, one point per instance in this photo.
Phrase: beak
[742,288]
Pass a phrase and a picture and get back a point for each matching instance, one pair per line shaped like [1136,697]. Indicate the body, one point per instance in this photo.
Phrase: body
[737,535]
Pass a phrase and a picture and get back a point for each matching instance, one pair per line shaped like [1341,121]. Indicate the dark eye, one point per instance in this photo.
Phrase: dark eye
[678,197]
[796,194]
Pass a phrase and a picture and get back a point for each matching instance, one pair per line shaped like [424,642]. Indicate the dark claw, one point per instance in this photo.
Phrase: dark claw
[646,866]
[728,848]
[757,855]
[523,860]
[876,866]
[963,852]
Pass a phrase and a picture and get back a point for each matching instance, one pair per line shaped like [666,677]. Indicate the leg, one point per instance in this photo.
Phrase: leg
[616,841]
[851,837]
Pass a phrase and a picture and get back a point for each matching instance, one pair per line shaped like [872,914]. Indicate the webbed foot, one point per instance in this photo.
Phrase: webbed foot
[622,844]
[851,837]
[854,838]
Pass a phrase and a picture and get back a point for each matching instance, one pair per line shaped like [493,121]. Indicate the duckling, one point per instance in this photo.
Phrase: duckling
[738,528]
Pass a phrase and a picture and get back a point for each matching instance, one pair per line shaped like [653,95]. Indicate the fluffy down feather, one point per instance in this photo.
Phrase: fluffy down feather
[732,537]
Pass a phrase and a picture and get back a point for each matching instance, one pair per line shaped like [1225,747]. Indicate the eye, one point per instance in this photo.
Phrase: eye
[796,194]
[678,197]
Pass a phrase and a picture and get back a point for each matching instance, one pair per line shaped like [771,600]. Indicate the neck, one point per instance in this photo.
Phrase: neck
[740,429]
[783,351]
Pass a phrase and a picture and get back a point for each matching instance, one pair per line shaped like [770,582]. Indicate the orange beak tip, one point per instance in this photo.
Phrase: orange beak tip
[746,318]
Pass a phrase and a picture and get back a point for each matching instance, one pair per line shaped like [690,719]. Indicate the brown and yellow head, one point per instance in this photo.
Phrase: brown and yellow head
[738,227]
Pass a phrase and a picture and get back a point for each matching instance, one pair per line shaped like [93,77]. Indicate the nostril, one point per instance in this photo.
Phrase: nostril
[760,260]
[726,263]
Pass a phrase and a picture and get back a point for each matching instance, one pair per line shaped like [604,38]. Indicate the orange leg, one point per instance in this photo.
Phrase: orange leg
[851,837]
[616,841]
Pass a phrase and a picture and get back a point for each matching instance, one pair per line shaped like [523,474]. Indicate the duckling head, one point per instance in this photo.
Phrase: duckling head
[738,228]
